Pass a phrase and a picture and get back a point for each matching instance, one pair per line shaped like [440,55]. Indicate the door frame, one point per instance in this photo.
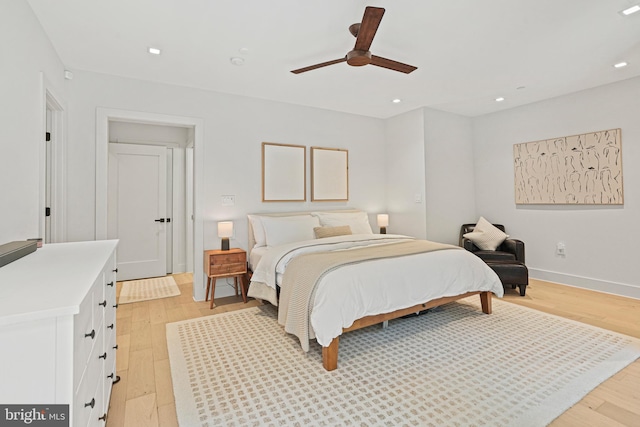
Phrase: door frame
[103,116]
[51,100]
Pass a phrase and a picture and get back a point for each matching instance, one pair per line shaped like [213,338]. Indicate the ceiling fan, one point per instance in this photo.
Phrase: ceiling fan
[360,55]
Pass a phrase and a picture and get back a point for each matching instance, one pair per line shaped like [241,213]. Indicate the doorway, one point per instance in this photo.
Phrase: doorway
[103,117]
[147,201]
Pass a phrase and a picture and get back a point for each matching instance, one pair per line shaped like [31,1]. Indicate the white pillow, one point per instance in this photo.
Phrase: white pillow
[486,236]
[357,221]
[258,230]
[281,230]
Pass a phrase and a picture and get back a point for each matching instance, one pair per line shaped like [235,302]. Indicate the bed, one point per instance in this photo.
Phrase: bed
[328,273]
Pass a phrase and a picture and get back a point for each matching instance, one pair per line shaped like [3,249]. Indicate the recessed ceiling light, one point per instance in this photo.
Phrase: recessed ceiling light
[154,51]
[237,61]
[633,9]
[620,64]
[396,101]
[499,99]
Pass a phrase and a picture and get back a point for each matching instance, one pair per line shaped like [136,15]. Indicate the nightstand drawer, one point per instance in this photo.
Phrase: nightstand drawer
[233,258]
[239,268]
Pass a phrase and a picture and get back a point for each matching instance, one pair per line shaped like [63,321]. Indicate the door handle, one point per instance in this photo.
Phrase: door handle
[159,220]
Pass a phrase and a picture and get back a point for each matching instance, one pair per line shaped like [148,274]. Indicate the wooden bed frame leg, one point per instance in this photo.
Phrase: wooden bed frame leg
[485,300]
[330,355]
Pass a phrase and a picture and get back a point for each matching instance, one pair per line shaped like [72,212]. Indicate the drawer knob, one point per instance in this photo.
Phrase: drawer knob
[110,326]
[104,356]
[92,334]
[115,347]
[92,403]
[103,417]
[115,306]
[103,303]
[110,284]
[115,270]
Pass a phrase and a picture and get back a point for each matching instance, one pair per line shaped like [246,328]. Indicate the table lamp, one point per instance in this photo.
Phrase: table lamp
[225,230]
[383,223]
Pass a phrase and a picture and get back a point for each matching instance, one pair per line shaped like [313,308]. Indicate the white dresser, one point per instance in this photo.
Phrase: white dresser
[58,329]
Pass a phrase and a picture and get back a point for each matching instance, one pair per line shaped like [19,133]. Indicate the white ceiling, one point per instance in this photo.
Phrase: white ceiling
[468,52]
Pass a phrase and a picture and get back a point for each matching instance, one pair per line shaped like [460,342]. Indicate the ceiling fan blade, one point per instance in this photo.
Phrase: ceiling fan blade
[368,27]
[392,65]
[322,64]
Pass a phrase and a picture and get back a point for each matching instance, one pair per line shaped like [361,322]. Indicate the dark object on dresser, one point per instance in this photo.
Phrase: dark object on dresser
[507,260]
[12,251]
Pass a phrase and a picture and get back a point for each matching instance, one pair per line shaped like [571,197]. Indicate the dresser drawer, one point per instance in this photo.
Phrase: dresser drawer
[228,268]
[86,391]
[233,258]
[84,337]
[88,416]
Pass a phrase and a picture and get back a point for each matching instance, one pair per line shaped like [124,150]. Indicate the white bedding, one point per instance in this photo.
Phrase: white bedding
[381,286]
[255,255]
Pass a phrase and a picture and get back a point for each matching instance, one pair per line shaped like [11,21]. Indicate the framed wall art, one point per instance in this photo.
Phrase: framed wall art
[329,174]
[583,169]
[284,172]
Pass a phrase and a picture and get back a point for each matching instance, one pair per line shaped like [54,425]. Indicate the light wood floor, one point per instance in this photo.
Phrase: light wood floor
[144,396]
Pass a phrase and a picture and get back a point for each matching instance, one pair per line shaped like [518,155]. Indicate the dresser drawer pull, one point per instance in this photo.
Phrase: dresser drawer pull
[114,380]
[92,403]
[115,271]
[104,356]
[103,417]
[110,284]
[110,326]
[92,334]
[115,306]
[103,303]
[115,347]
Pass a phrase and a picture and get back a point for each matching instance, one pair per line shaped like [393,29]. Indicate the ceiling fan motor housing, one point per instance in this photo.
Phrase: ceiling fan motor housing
[358,58]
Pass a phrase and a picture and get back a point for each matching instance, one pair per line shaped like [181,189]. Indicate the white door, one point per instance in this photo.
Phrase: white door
[136,209]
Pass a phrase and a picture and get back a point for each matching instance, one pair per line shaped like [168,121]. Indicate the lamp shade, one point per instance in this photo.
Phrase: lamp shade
[225,229]
[383,220]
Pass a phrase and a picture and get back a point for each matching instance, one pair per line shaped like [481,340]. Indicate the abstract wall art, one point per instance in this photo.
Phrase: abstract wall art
[583,169]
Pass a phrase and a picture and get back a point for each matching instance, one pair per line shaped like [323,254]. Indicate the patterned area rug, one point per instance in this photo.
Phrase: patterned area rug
[146,289]
[454,366]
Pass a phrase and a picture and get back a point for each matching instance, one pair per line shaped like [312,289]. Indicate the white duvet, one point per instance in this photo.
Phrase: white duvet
[380,286]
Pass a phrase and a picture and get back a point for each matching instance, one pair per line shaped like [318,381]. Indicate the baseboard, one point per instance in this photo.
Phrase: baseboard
[614,288]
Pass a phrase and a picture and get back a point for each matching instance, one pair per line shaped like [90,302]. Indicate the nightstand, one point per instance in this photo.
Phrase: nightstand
[219,264]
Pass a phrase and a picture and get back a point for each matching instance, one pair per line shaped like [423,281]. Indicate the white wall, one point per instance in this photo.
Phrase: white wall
[27,56]
[601,241]
[405,174]
[234,129]
[430,190]
[449,174]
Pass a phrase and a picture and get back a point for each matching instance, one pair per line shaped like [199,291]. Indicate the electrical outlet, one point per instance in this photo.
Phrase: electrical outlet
[228,200]
[561,249]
